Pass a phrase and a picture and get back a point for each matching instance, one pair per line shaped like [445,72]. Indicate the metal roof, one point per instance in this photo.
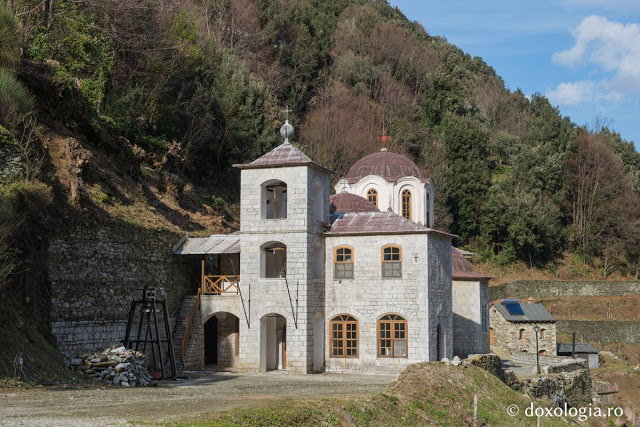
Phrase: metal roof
[215,244]
[372,222]
[389,166]
[285,154]
[461,268]
[350,203]
[581,347]
[532,313]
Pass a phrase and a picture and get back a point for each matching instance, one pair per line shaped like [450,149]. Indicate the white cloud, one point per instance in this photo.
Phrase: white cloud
[614,49]
[572,93]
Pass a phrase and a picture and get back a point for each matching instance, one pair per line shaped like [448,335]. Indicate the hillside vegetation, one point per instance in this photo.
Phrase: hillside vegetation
[163,97]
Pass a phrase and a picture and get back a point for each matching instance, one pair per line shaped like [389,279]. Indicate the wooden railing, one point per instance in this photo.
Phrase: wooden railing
[218,285]
[187,334]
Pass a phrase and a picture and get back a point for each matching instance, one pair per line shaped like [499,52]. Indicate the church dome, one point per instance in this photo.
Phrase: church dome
[389,166]
[348,203]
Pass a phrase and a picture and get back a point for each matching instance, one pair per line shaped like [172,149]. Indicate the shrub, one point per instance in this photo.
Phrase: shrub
[16,102]
[9,39]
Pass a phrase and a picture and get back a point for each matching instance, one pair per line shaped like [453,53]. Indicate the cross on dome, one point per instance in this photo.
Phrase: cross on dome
[384,140]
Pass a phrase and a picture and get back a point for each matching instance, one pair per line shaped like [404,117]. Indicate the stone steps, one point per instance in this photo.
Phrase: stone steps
[180,327]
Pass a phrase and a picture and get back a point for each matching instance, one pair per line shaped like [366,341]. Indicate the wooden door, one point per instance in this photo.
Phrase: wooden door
[491,336]
[284,349]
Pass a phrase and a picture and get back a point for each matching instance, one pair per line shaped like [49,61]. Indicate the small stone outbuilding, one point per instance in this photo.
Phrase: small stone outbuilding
[583,350]
[512,327]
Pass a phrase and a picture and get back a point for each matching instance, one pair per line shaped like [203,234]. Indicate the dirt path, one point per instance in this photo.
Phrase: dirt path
[206,392]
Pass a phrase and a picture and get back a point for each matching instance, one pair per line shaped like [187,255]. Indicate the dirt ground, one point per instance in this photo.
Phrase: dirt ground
[171,401]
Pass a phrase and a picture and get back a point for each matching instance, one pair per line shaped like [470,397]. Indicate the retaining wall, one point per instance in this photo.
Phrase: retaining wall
[543,288]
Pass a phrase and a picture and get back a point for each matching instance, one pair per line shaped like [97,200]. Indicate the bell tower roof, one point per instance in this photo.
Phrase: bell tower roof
[285,154]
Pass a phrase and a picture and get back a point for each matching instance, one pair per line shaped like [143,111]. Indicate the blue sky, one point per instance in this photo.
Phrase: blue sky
[584,55]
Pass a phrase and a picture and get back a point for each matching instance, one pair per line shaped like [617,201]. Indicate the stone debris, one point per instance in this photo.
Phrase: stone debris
[114,366]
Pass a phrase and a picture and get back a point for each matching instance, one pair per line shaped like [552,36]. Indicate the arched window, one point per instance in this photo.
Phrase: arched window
[391,261]
[428,216]
[344,336]
[392,336]
[542,352]
[542,334]
[274,257]
[406,204]
[521,334]
[372,196]
[343,262]
[274,199]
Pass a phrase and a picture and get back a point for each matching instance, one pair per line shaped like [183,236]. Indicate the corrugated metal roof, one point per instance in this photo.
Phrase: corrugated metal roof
[215,244]
[532,313]
[581,347]
[372,222]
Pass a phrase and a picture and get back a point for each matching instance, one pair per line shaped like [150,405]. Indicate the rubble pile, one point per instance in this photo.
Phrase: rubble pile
[114,365]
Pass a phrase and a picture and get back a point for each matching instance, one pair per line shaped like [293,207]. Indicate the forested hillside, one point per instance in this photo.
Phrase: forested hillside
[186,88]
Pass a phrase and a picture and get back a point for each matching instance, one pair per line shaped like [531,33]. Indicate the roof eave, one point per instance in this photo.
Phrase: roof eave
[368,233]
[284,165]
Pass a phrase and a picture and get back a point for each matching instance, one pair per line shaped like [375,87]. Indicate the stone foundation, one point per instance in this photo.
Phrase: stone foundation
[76,337]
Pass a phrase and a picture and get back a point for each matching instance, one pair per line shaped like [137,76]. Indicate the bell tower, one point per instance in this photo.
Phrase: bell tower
[284,206]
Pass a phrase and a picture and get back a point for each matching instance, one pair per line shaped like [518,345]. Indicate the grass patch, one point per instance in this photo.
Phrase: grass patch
[425,394]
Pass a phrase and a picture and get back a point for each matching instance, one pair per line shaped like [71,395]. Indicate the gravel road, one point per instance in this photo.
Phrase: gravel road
[174,400]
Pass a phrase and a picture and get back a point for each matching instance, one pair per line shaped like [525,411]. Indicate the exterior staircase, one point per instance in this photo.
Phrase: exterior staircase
[503,353]
[180,328]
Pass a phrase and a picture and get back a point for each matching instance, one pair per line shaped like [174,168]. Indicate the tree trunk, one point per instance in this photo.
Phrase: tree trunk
[47,13]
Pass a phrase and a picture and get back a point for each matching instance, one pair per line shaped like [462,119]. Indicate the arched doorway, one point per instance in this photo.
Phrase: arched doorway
[211,341]
[221,340]
[273,342]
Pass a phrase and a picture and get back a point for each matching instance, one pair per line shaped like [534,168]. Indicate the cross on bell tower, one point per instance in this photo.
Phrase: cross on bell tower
[287,111]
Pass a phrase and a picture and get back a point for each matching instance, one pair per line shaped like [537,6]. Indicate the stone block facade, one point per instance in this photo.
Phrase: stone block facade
[470,317]
[297,297]
[507,335]
[422,296]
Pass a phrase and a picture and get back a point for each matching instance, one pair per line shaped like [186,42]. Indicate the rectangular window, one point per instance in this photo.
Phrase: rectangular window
[392,261]
[343,263]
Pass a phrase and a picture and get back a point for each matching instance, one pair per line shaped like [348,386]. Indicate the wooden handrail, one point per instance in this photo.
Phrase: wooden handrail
[217,285]
[192,316]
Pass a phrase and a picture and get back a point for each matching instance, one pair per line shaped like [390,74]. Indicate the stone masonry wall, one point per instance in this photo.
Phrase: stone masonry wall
[540,288]
[470,330]
[440,296]
[506,334]
[298,232]
[368,296]
[94,272]
[595,332]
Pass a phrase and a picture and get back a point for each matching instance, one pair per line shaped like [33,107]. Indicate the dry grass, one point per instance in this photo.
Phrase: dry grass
[425,394]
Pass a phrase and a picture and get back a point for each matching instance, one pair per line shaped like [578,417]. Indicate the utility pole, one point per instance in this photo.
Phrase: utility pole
[537,329]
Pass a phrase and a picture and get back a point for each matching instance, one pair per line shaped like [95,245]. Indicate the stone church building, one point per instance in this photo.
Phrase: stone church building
[360,281]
